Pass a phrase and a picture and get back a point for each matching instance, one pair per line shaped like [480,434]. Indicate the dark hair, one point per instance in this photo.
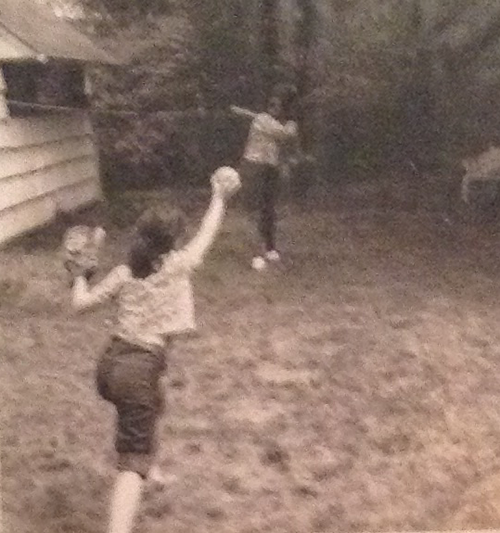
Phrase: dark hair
[287,95]
[155,235]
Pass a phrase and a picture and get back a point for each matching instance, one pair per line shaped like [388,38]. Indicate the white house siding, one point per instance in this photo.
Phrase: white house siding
[12,48]
[47,164]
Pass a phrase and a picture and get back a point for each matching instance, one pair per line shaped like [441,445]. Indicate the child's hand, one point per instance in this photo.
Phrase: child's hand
[291,128]
[225,182]
[80,250]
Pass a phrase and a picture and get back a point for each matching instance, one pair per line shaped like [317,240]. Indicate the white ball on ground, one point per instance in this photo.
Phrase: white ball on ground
[273,256]
[258,263]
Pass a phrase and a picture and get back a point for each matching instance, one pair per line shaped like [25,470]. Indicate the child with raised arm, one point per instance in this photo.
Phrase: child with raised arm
[155,303]
[261,165]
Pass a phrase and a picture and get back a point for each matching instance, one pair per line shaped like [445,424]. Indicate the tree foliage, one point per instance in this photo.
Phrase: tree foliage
[187,64]
[126,12]
[371,76]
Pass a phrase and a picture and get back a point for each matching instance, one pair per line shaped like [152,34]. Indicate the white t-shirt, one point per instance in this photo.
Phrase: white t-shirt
[266,134]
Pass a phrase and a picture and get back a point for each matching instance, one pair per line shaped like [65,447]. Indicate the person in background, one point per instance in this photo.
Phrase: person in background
[261,164]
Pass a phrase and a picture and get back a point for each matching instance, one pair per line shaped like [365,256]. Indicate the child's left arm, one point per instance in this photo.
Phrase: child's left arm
[83,297]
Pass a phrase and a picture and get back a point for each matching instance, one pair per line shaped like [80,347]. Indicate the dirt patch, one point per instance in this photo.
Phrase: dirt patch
[353,389]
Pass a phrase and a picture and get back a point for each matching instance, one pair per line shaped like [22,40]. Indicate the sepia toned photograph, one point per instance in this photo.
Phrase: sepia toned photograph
[249,266]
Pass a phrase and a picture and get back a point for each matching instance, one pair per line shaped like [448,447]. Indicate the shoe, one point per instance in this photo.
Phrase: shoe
[258,263]
[156,477]
[273,256]
[159,480]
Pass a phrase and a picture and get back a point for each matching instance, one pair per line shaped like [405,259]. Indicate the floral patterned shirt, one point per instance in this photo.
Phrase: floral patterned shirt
[153,308]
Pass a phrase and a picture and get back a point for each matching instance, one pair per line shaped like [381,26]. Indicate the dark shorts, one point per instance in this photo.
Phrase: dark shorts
[129,377]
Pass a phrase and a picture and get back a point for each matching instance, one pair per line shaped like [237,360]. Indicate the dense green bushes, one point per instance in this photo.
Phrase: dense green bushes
[375,102]
[166,149]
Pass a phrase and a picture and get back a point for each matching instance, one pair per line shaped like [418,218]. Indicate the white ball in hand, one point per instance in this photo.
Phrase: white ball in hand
[227,180]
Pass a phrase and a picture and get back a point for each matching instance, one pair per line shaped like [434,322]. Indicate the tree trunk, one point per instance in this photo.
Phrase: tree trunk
[270,44]
[305,41]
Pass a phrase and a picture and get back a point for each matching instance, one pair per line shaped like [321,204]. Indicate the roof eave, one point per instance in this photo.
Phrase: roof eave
[42,58]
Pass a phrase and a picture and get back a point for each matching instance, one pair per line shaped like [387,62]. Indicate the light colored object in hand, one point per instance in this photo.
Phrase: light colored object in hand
[484,168]
[227,179]
[82,246]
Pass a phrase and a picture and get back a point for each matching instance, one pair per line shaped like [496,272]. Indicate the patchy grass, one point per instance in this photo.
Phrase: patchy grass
[355,388]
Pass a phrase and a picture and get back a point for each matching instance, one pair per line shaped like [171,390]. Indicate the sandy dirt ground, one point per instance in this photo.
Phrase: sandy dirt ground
[354,388]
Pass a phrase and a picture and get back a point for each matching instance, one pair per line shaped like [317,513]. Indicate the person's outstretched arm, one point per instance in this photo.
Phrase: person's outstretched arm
[225,182]
[274,128]
[242,112]
[83,297]
[195,251]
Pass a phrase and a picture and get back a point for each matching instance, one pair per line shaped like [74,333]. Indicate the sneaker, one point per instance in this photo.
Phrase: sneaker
[156,477]
[158,480]
[258,263]
[273,256]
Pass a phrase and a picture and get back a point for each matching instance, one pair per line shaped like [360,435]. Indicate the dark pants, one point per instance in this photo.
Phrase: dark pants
[261,189]
[129,377]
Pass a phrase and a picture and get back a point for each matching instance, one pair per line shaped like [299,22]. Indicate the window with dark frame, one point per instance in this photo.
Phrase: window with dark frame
[37,88]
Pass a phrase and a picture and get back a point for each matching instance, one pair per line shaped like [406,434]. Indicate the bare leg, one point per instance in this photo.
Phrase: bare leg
[125,502]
